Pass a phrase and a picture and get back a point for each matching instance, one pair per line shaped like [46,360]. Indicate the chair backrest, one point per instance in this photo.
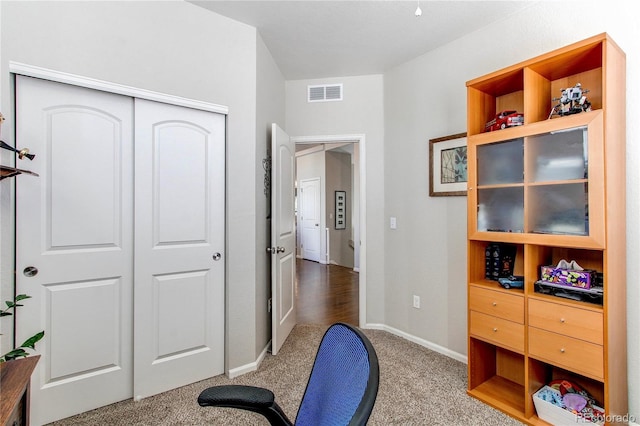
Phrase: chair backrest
[343,384]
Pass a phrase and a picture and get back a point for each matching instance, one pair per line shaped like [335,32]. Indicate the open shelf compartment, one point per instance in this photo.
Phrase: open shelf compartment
[498,376]
[540,374]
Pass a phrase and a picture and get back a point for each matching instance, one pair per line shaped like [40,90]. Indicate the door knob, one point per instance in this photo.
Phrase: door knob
[30,271]
[216,256]
[280,250]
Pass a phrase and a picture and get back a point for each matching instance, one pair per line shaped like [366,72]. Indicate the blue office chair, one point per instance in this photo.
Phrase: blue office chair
[341,390]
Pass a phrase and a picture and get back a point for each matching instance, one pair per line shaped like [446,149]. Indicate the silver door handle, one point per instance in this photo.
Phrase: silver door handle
[30,271]
[280,250]
[275,250]
[216,256]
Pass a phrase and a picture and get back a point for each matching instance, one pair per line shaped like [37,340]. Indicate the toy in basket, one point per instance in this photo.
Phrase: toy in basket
[564,403]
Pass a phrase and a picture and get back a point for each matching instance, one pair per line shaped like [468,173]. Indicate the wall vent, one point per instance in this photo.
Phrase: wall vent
[324,93]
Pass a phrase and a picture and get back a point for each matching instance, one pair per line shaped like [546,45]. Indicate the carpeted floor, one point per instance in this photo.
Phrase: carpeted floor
[417,387]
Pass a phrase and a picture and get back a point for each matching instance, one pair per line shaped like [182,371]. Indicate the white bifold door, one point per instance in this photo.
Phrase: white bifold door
[119,243]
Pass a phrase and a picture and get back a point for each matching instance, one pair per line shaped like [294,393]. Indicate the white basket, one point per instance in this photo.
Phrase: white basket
[555,415]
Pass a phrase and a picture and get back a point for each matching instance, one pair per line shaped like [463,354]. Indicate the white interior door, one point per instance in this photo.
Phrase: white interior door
[310,219]
[75,225]
[179,246]
[283,237]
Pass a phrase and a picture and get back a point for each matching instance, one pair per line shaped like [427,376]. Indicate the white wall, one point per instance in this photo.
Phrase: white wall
[339,169]
[361,112]
[170,47]
[426,98]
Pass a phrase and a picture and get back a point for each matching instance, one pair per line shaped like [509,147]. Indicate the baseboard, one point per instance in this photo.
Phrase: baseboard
[422,342]
[253,366]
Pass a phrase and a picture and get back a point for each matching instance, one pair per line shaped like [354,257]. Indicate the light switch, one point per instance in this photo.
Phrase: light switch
[392,222]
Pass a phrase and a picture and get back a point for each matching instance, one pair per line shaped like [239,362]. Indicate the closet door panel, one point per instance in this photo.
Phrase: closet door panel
[179,246]
[74,224]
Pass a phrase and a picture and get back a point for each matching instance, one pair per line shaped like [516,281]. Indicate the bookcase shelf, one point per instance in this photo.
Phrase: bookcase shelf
[552,188]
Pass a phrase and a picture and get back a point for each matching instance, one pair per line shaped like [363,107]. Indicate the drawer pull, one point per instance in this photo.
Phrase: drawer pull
[495,330]
[562,350]
[562,320]
[495,304]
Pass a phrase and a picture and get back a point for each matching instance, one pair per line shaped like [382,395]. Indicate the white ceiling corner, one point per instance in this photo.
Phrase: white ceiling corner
[311,39]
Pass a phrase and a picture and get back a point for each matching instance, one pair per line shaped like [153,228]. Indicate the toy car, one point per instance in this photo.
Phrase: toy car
[512,281]
[504,119]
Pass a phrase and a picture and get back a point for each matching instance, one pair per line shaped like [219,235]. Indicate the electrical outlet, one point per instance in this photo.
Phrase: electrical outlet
[416,301]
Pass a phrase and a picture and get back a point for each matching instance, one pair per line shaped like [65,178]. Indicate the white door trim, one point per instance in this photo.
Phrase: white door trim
[360,140]
[106,86]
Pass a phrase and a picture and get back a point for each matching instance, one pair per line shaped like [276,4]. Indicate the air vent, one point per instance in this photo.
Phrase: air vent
[324,93]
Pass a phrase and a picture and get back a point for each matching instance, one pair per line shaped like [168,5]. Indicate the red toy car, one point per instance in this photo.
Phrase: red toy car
[505,119]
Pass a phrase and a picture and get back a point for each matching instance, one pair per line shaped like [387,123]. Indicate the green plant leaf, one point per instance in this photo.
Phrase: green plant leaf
[16,353]
[31,342]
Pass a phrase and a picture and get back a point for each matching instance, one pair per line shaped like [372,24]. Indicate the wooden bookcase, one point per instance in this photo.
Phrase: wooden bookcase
[553,188]
[15,383]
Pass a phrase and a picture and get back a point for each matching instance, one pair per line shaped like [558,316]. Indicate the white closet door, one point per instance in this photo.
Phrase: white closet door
[75,225]
[179,246]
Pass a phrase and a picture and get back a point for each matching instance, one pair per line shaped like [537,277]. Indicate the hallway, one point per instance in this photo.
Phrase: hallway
[326,293]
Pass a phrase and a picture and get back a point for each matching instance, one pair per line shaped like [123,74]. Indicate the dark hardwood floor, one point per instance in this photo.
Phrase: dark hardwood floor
[326,294]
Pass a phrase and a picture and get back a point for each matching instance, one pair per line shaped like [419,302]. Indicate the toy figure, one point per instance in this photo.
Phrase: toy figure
[572,101]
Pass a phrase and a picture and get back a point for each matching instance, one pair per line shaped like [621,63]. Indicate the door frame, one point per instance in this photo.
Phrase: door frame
[362,229]
[106,86]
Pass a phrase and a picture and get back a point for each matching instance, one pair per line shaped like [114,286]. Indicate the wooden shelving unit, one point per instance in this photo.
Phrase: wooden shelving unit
[15,378]
[6,172]
[555,189]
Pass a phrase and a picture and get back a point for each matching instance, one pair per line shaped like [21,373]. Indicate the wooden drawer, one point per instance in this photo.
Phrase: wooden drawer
[496,330]
[573,322]
[497,303]
[566,352]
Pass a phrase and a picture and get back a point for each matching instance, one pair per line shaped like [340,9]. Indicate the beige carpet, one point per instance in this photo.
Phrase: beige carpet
[417,387]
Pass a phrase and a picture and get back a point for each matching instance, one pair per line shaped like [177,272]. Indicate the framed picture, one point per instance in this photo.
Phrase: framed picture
[341,210]
[448,165]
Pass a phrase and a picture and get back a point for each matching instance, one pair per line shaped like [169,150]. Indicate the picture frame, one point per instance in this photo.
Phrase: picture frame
[341,210]
[448,165]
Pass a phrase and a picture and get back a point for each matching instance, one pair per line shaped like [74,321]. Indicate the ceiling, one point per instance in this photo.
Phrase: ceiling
[311,39]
